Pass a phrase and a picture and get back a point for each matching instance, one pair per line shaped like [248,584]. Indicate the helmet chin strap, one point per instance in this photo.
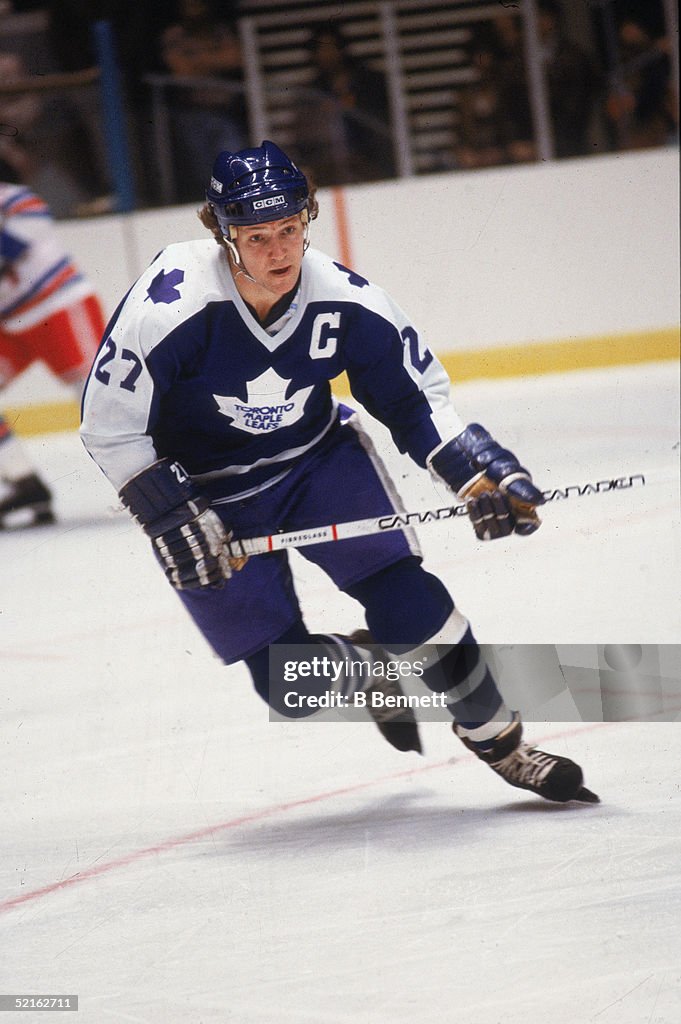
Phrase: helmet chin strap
[230,242]
[304,216]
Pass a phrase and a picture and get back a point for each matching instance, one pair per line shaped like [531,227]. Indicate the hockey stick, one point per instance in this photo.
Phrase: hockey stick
[403,520]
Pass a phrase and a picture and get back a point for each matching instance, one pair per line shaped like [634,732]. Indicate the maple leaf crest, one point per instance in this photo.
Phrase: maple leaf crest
[267,406]
[162,288]
[353,278]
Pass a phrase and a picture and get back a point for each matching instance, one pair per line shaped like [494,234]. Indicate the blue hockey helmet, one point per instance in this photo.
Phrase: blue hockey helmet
[254,186]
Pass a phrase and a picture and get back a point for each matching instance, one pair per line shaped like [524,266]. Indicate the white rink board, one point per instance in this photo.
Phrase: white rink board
[220,867]
[506,256]
[501,257]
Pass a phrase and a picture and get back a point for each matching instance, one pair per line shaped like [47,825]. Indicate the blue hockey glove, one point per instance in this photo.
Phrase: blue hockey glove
[188,536]
[499,493]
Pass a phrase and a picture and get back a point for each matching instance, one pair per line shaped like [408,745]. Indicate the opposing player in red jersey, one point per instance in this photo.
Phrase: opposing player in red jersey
[49,312]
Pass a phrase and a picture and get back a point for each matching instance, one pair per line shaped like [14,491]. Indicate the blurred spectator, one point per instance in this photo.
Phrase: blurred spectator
[41,136]
[19,113]
[136,30]
[342,125]
[511,78]
[496,125]
[483,131]
[48,313]
[573,82]
[641,104]
[205,120]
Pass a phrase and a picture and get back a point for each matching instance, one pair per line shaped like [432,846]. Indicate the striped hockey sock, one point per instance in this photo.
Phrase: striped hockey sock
[458,670]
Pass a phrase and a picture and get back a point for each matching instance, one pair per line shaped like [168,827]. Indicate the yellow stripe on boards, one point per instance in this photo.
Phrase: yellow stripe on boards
[553,356]
[474,364]
[562,356]
[44,418]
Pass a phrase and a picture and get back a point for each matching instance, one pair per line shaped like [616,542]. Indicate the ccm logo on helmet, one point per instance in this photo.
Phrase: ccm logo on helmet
[260,204]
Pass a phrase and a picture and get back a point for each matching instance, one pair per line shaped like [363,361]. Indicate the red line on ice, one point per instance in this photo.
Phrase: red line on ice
[246,819]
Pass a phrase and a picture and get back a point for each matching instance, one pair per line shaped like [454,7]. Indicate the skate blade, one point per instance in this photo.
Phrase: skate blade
[585,796]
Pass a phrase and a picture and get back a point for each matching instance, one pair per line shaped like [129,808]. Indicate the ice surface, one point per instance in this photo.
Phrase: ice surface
[171,855]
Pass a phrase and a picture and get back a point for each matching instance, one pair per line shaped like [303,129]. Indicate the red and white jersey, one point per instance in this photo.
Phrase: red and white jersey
[37,278]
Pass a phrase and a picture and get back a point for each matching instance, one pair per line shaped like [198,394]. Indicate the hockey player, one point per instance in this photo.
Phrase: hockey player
[209,409]
[48,312]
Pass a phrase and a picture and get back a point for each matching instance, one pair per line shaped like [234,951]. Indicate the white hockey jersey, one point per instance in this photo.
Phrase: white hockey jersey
[186,371]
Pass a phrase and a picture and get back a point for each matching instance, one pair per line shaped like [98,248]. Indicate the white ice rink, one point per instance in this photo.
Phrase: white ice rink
[170,855]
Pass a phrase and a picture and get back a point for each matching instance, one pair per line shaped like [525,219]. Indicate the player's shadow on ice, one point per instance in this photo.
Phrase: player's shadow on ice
[396,822]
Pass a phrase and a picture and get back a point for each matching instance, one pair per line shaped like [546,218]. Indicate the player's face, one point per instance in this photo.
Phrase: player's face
[272,253]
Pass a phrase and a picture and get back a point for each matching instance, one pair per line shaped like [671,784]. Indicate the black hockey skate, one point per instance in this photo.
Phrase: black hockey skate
[549,775]
[24,502]
[397,725]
